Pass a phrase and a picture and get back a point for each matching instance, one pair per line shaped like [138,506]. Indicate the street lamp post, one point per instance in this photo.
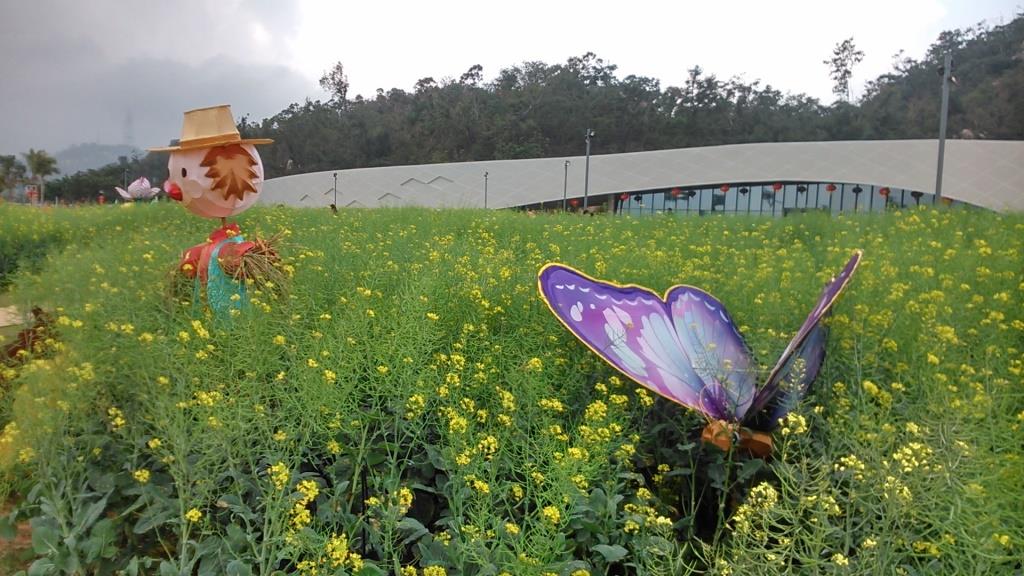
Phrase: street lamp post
[943,113]
[125,178]
[565,184]
[586,176]
[335,189]
[485,189]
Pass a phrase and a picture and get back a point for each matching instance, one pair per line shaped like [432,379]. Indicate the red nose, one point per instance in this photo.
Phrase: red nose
[172,190]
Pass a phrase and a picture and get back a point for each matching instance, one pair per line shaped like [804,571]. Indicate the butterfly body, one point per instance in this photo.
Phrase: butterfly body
[685,346]
[727,436]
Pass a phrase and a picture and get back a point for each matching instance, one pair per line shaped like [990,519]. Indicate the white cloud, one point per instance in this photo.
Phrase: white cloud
[72,70]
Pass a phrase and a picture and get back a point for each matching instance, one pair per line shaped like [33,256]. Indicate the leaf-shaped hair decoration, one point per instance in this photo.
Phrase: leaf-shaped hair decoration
[231,168]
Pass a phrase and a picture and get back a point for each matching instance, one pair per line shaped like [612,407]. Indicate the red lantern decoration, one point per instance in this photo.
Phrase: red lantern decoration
[676,192]
[574,202]
[777,186]
[623,196]
[102,199]
[884,191]
[830,188]
[724,188]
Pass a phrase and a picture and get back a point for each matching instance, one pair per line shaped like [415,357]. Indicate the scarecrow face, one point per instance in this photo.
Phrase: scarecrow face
[215,182]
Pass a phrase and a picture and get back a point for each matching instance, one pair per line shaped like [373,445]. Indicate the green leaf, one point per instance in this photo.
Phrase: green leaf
[238,568]
[8,530]
[42,567]
[45,538]
[103,482]
[413,530]
[152,518]
[100,543]
[423,488]
[92,513]
[749,468]
[370,570]
[375,458]
[612,553]
[168,569]
[236,537]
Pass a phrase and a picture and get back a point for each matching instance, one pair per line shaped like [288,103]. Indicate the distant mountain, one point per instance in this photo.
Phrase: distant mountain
[88,156]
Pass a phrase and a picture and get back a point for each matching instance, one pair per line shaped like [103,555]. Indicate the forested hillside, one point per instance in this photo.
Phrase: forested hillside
[535,109]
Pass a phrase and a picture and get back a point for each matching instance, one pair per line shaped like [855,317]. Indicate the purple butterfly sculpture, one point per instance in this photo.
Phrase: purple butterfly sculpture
[686,348]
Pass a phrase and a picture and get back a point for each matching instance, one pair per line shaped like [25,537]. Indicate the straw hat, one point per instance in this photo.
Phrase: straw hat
[208,127]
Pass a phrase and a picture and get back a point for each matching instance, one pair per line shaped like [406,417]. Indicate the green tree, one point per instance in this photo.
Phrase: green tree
[536,109]
[844,57]
[335,83]
[12,172]
[41,165]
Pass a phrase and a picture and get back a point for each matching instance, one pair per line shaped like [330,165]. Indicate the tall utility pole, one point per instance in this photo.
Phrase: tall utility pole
[586,177]
[947,64]
[485,189]
[565,184]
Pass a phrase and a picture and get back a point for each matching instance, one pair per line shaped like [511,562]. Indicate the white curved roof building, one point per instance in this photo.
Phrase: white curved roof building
[984,173]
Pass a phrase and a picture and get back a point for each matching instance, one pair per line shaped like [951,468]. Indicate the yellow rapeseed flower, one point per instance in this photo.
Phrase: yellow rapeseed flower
[551,514]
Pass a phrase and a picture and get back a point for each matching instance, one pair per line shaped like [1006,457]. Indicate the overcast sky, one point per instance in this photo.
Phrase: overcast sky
[120,71]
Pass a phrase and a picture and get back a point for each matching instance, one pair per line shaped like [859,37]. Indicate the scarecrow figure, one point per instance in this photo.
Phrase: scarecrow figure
[214,173]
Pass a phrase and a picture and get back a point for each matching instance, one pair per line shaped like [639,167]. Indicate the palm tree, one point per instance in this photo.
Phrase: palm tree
[41,165]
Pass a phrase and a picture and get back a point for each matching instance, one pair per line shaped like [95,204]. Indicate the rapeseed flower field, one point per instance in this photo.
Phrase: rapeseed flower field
[406,404]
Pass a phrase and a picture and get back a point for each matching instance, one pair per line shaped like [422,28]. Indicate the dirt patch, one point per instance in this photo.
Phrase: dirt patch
[16,554]
[10,316]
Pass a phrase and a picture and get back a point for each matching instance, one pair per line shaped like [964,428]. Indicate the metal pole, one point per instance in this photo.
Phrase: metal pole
[335,189]
[565,184]
[947,63]
[586,176]
[485,190]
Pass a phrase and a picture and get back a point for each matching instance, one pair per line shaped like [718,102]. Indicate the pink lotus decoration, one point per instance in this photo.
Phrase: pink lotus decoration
[138,190]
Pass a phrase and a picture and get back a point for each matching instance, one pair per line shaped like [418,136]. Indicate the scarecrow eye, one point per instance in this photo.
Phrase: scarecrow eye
[184,173]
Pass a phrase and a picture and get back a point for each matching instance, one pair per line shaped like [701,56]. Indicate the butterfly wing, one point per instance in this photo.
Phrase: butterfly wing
[803,346]
[717,351]
[795,379]
[630,328]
